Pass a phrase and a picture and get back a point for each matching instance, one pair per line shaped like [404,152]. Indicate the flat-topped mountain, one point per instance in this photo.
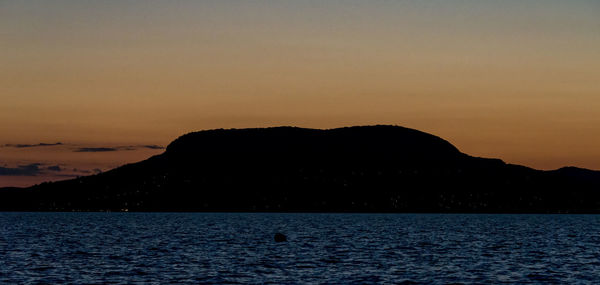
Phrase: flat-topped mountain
[354,169]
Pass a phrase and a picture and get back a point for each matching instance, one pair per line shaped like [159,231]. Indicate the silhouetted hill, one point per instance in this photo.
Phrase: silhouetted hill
[355,169]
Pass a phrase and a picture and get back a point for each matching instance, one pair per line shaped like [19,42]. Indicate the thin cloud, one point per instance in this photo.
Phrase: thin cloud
[153,146]
[54,168]
[117,148]
[21,170]
[96,149]
[43,170]
[32,145]
[87,171]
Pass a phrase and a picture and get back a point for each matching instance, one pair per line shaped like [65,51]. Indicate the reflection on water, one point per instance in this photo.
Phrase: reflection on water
[160,248]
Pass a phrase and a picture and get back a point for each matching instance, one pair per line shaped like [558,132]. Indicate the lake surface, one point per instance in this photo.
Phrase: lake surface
[176,248]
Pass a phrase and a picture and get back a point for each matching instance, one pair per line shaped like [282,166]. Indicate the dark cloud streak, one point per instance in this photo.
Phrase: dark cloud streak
[39,169]
[21,170]
[96,149]
[32,145]
[153,146]
[117,148]
[54,168]
[89,149]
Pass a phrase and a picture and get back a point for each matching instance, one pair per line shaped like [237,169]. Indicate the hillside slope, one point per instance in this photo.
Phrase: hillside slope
[355,169]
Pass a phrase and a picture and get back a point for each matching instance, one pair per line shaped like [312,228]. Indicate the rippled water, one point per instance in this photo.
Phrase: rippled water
[162,248]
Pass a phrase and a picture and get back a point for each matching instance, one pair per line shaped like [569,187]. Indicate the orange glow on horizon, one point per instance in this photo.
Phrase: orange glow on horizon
[516,81]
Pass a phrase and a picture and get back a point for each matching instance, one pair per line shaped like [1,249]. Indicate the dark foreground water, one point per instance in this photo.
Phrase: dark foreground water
[163,248]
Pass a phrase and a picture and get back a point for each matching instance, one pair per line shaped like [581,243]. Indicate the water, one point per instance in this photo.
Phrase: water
[165,248]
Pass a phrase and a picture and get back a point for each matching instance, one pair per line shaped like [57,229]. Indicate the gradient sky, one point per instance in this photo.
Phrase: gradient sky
[516,80]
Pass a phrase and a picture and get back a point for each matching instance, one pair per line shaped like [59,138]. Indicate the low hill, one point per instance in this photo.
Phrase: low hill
[354,169]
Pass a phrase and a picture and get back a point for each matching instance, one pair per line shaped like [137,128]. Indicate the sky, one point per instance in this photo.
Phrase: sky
[115,81]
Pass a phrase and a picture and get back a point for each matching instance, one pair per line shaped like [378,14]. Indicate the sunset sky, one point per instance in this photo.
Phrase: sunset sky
[115,81]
